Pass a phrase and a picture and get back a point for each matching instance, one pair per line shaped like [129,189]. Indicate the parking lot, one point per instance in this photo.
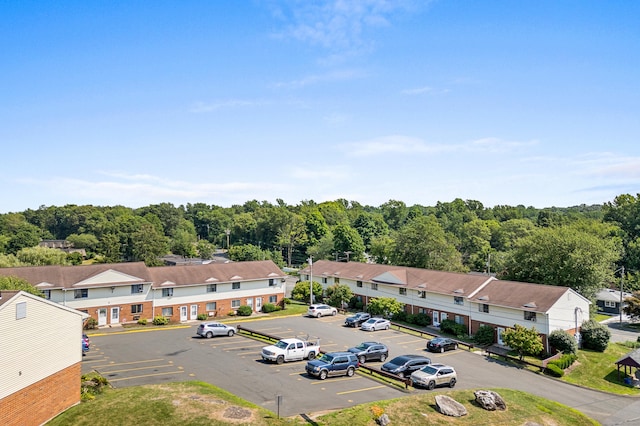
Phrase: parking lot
[128,358]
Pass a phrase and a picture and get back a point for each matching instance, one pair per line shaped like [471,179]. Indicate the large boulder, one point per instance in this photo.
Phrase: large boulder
[449,406]
[490,400]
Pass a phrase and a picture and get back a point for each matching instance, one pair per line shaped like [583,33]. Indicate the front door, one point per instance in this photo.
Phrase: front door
[183,313]
[258,304]
[194,312]
[115,315]
[102,316]
[250,303]
[436,317]
[500,331]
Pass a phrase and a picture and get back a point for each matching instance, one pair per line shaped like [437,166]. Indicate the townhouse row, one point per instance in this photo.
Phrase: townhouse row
[127,292]
[470,299]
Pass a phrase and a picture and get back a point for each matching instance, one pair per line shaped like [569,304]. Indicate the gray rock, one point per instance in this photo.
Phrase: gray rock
[449,406]
[490,400]
[383,420]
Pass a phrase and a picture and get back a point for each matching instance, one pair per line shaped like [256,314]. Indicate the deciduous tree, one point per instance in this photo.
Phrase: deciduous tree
[525,341]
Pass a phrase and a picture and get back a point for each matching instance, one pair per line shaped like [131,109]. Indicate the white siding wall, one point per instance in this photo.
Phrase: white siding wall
[102,297]
[563,312]
[195,294]
[508,317]
[46,341]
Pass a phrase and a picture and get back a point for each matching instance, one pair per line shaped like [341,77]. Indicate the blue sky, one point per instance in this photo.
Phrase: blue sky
[221,102]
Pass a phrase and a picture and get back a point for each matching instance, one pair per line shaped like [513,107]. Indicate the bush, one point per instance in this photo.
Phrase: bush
[245,310]
[563,342]
[91,324]
[554,370]
[91,385]
[286,301]
[452,327]
[595,336]
[202,317]
[142,321]
[484,336]
[160,320]
[421,320]
[564,361]
[269,307]
[401,316]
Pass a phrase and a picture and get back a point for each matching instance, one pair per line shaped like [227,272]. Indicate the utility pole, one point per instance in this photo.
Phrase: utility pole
[310,280]
[621,290]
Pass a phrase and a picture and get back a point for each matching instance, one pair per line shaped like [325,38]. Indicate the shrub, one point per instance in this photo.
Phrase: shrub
[269,307]
[91,324]
[563,342]
[142,321]
[452,327]
[401,316]
[245,310]
[484,336]
[554,370]
[564,361]
[160,320]
[595,336]
[423,320]
[286,301]
[92,385]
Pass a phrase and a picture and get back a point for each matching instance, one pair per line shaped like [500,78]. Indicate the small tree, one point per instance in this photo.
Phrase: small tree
[301,291]
[632,308]
[337,294]
[595,336]
[245,310]
[15,283]
[525,341]
[385,306]
[484,335]
[563,341]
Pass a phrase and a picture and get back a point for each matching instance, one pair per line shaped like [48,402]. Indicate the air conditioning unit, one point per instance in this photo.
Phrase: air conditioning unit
[212,314]
[283,279]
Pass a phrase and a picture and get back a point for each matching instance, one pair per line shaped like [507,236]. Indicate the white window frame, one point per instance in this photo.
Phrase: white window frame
[212,288]
[530,316]
[609,304]
[167,312]
[167,292]
[235,286]
[235,304]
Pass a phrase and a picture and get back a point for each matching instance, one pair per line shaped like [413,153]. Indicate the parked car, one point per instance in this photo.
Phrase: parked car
[85,347]
[86,339]
[434,375]
[321,310]
[357,319]
[333,364]
[374,324]
[210,329]
[370,351]
[404,365]
[441,344]
[293,349]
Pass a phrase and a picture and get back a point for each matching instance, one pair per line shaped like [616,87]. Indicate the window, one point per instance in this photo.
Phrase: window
[47,294]
[402,291]
[167,312]
[324,280]
[374,286]
[212,288]
[235,286]
[459,319]
[530,316]
[136,288]
[458,300]
[483,307]
[607,304]
[167,292]
[273,299]
[235,303]
[358,283]
[82,293]
[136,309]
[336,280]
[211,306]
[21,310]
[272,282]
[422,294]
[306,278]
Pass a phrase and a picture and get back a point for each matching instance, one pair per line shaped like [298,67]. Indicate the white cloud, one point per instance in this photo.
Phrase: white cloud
[202,107]
[340,75]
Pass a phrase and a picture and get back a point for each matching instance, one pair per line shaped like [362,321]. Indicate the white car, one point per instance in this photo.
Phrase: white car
[210,329]
[374,324]
[434,375]
[321,310]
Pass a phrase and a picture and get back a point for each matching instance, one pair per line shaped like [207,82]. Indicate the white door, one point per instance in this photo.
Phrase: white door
[436,317]
[500,331]
[115,315]
[183,313]
[194,312]
[102,316]
[250,302]
[258,304]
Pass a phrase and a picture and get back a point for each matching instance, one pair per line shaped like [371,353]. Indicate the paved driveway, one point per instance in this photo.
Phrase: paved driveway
[235,364]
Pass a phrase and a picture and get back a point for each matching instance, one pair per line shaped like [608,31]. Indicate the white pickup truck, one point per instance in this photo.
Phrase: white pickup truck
[291,350]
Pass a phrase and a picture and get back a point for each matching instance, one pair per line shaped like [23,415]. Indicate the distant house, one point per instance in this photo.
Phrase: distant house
[469,299]
[62,245]
[608,301]
[41,353]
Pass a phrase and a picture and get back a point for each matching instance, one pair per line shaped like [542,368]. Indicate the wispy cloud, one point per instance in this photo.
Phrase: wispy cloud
[333,76]
[324,173]
[424,90]
[202,107]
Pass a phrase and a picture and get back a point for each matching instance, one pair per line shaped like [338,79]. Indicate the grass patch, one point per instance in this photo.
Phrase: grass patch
[597,370]
[600,317]
[421,409]
[293,308]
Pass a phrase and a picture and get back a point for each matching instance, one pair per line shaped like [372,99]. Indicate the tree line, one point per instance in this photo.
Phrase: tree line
[582,247]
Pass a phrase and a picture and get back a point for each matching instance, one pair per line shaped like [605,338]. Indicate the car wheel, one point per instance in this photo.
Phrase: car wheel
[319,315]
[442,349]
[323,374]
[455,347]
[362,359]
[280,359]
[452,383]
[230,333]
[383,357]
[350,371]
[209,335]
[334,313]
[431,385]
[386,327]
[311,356]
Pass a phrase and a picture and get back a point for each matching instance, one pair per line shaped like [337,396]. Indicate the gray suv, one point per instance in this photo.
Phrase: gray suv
[210,329]
[370,351]
[333,364]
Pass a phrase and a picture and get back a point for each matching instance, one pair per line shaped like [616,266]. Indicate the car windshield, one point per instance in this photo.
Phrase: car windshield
[429,370]
[401,360]
[364,345]
[326,358]
[282,345]
[437,341]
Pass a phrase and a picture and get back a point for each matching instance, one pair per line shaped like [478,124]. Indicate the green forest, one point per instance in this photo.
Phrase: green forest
[583,247]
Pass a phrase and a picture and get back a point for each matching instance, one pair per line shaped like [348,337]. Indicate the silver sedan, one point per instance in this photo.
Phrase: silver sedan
[210,329]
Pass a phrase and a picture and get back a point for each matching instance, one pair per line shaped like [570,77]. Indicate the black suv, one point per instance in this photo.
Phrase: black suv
[333,364]
[404,365]
[370,351]
[357,319]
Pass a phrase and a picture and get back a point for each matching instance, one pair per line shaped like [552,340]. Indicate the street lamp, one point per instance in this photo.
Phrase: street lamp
[310,259]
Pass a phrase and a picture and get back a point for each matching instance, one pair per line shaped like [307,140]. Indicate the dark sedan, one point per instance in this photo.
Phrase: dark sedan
[441,344]
[404,365]
[370,351]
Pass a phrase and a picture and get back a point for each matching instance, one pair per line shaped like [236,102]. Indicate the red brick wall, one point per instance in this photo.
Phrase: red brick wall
[42,401]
